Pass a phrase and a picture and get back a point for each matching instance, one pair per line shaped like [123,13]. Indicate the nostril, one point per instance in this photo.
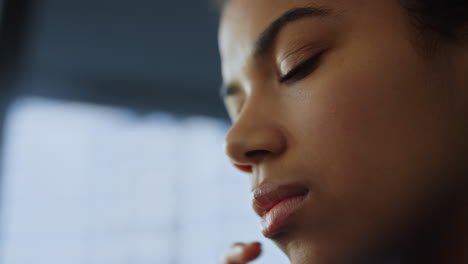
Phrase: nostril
[257,153]
[251,157]
[244,168]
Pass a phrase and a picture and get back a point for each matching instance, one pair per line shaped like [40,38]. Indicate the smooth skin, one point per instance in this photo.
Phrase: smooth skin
[376,129]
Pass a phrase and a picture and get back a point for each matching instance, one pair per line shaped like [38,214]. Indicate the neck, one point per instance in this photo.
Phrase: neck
[445,239]
[453,245]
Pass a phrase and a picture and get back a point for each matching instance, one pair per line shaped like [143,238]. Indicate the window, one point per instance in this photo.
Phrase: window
[85,184]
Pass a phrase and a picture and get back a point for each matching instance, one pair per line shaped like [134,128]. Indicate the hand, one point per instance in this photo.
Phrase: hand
[241,253]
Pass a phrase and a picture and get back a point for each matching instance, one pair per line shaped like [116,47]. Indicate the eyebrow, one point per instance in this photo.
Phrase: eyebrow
[267,38]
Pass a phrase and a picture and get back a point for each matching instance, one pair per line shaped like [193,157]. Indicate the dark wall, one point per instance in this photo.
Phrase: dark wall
[142,54]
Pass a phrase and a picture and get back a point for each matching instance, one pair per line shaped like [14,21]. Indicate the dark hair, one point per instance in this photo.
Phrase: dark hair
[445,19]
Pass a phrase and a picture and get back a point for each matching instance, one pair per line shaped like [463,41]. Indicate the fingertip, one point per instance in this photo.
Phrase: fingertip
[252,251]
[236,253]
[256,244]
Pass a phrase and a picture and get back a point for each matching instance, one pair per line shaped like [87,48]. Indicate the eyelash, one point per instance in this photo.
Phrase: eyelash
[302,70]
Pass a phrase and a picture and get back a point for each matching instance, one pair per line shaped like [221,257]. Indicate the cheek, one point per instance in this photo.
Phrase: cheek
[380,142]
[381,114]
[377,147]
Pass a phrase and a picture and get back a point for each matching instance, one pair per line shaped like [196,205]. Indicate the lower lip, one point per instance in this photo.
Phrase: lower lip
[278,216]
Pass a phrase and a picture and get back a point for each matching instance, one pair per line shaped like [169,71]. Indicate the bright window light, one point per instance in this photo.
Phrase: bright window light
[87,184]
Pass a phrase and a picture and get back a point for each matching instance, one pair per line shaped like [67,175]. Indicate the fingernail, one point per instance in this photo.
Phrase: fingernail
[237,250]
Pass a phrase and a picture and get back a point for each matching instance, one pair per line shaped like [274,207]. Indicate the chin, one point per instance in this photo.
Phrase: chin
[308,251]
[311,255]
[307,254]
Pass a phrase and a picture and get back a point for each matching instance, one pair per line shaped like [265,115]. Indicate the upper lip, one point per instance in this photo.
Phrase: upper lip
[267,195]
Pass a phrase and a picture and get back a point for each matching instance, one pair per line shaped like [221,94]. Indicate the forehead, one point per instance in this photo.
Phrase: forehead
[243,21]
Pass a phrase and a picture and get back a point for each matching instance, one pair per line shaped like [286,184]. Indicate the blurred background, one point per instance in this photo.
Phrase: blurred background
[112,133]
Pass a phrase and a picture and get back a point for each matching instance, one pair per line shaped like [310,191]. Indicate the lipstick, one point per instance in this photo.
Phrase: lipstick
[276,204]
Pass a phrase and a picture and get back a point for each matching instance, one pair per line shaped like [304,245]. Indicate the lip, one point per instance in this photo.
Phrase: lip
[276,204]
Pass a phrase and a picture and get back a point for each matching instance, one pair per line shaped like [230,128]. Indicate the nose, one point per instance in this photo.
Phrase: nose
[253,138]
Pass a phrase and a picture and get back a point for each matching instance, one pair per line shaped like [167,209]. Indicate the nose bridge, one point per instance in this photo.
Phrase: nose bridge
[256,133]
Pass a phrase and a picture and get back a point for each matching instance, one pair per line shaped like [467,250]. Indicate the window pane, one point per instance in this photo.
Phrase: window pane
[92,184]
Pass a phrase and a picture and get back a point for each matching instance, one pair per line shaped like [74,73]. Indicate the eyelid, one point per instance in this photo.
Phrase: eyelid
[228,92]
[296,56]
[308,65]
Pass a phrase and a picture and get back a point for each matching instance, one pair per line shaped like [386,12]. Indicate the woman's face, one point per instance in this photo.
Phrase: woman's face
[340,99]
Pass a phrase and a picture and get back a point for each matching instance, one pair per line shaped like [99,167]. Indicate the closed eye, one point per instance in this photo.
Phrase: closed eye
[302,70]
